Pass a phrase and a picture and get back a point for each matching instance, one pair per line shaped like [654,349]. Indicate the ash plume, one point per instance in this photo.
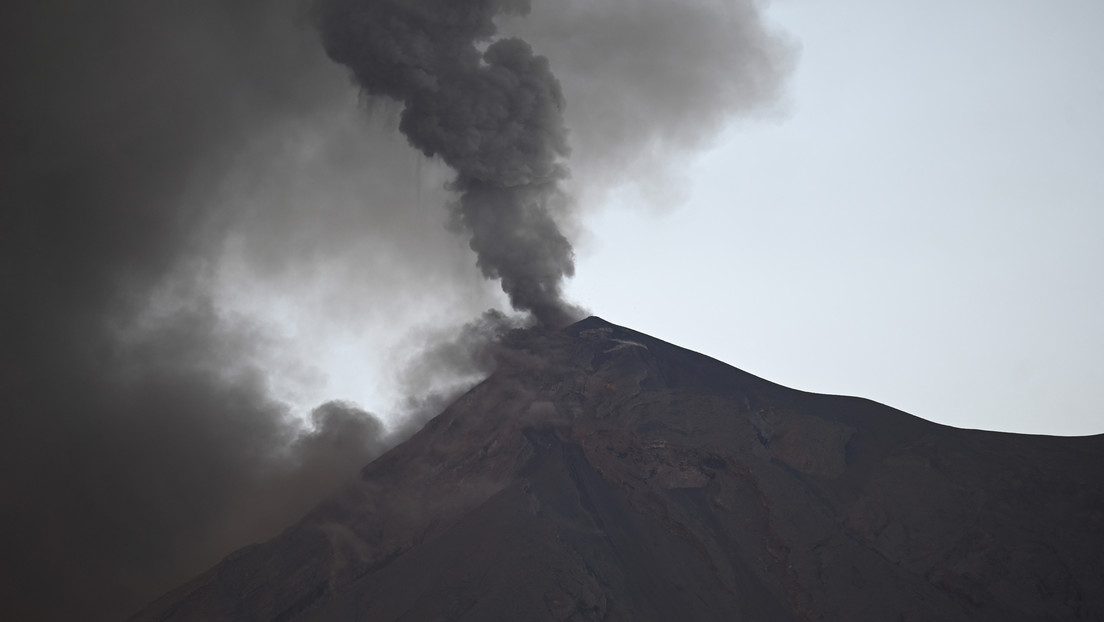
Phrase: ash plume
[494,115]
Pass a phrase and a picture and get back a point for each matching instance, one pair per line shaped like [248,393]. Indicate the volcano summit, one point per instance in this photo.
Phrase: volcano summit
[602,474]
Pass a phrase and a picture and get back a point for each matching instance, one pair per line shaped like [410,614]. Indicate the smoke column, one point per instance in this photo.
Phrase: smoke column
[495,116]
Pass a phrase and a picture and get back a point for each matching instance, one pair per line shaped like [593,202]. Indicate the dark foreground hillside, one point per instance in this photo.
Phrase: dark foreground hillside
[602,474]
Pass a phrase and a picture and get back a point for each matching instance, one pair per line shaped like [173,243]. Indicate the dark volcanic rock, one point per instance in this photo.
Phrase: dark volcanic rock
[601,474]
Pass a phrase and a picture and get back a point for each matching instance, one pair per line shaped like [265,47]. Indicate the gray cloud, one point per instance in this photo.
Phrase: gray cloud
[648,81]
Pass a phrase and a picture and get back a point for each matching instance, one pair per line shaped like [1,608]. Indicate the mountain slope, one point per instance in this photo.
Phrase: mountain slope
[602,474]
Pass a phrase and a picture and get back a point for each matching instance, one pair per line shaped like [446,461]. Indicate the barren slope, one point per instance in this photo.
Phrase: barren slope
[601,474]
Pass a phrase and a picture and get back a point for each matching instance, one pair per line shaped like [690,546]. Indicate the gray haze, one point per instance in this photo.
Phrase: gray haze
[179,178]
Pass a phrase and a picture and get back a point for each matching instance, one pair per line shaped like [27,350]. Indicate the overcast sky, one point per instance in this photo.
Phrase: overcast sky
[922,224]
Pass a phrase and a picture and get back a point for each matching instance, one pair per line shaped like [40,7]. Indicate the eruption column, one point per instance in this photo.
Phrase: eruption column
[489,108]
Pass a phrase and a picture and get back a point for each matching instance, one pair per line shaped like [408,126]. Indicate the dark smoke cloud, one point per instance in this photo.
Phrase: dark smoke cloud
[162,160]
[138,448]
[493,114]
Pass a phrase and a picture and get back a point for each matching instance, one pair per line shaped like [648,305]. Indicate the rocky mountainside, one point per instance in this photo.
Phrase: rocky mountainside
[602,474]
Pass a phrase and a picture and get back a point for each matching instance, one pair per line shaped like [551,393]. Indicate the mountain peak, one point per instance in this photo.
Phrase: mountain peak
[601,473]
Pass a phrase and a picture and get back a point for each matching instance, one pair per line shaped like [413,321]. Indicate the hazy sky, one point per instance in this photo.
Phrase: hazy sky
[922,225]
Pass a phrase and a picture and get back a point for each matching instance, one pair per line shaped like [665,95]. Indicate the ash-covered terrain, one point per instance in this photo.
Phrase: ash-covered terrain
[602,474]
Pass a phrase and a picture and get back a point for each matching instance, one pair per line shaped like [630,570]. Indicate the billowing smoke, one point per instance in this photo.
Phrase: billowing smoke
[178,178]
[492,110]
[141,441]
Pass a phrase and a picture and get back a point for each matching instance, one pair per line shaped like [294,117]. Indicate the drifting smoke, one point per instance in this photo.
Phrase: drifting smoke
[649,81]
[138,448]
[494,115]
[448,362]
[144,146]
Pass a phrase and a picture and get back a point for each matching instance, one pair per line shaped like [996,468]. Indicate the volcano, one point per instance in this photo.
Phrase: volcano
[602,474]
